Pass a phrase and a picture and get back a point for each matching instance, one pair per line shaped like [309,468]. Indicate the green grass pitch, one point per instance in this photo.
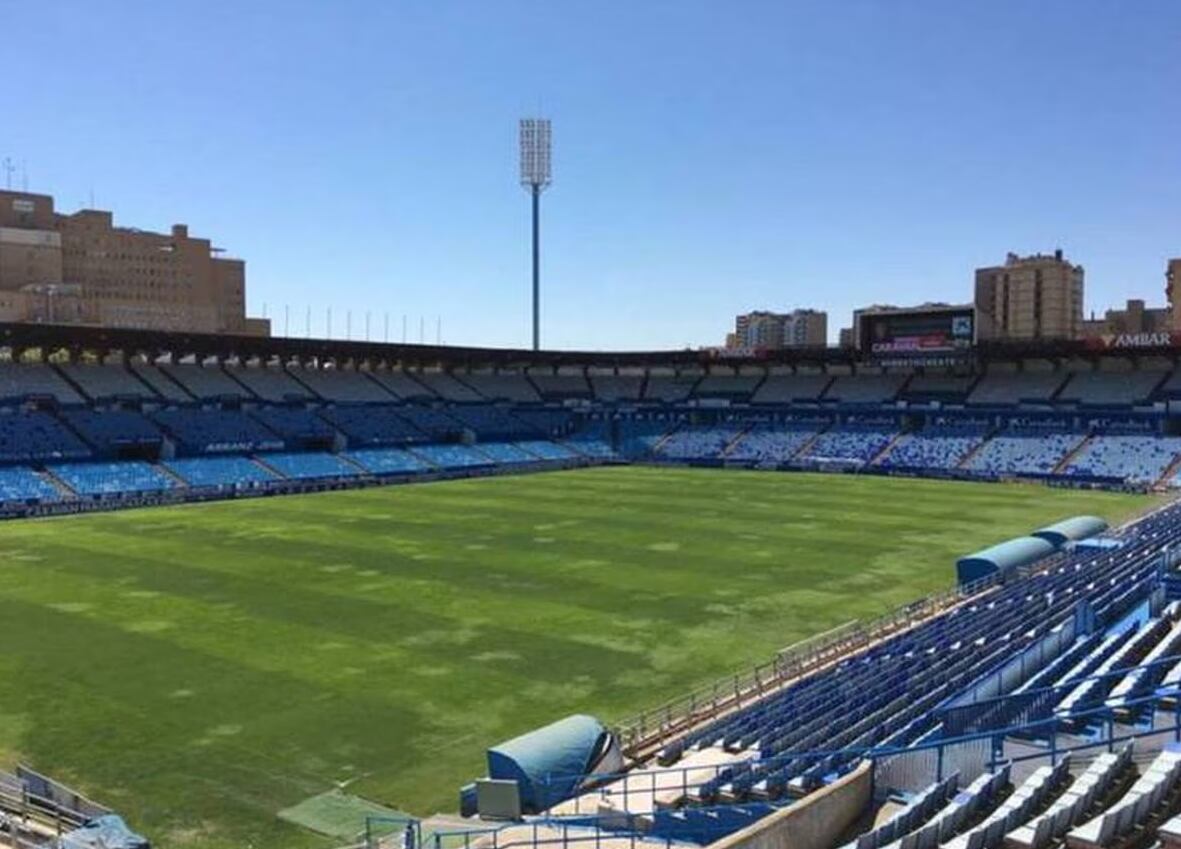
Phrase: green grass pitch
[201,668]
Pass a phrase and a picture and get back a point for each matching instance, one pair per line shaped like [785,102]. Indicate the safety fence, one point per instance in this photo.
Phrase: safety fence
[615,832]
[643,733]
[911,767]
[33,804]
[652,728]
[1017,710]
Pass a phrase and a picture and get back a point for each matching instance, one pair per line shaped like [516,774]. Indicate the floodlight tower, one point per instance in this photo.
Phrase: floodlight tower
[535,178]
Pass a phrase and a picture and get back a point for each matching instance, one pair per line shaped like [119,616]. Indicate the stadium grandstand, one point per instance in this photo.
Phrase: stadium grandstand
[95,419]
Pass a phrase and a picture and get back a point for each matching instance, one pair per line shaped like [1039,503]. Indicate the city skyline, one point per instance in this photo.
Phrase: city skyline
[817,160]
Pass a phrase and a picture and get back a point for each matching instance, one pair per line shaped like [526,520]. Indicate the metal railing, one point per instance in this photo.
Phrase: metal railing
[583,833]
[29,813]
[1058,734]
[651,728]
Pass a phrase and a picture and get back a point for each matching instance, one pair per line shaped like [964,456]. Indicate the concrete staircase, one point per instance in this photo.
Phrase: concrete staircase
[807,446]
[967,458]
[877,459]
[268,467]
[171,475]
[349,461]
[1173,468]
[1072,453]
[733,443]
[63,488]
[658,444]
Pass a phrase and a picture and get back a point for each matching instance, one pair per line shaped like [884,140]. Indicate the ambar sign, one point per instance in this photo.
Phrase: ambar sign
[1116,341]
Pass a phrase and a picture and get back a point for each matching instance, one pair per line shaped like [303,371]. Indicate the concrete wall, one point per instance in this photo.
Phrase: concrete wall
[812,823]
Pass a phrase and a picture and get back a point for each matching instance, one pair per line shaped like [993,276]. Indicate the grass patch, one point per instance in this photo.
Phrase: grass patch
[338,814]
[202,668]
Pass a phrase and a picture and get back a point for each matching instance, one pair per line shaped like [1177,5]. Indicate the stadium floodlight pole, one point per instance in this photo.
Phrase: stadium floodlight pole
[535,178]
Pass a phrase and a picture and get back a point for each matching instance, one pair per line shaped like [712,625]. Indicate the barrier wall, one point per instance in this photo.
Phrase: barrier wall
[815,822]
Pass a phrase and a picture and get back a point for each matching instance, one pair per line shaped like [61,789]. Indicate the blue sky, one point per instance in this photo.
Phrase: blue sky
[709,158]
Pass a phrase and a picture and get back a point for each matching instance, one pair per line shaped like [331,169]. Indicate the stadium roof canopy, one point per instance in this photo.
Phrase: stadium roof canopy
[78,339]
[1071,530]
[1002,558]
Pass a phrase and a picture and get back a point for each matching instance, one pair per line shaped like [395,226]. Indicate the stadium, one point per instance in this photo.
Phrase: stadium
[315,582]
[644,552]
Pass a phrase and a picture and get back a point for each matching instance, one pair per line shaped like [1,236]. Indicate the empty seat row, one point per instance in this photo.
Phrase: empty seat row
[453,456]
[388,461]
[771,445]
[1016,810]
[206,431]
[698,442]
[979,796]
[35,435]
[917,811]
[310,465]
[112,478]
[546,450]
[1140,459]
[1073,804]
[852,444]
[1134,807]
[1014,452]
[1094,689]
[934,448]
[220,472]
[23,485]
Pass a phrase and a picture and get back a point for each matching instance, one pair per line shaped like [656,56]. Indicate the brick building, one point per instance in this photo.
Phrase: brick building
[80,268]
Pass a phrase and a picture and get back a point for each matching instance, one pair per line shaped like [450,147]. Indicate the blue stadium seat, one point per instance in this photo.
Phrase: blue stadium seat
[506,453]
[1137,459]
[491,422]
[940,447]
[310,466]
[452,456]
[296,425]
[850,444]
[112,430]
[774,444]
[639,437]
[112,478]
[546,450]
[20,484]
[435,422]
[388,461]
[222,472]
[698,442]
[372,424]
[35,435]
[210,431]
[1017,451]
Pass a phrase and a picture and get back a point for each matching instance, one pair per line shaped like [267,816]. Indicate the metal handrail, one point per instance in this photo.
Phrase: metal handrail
[655,725]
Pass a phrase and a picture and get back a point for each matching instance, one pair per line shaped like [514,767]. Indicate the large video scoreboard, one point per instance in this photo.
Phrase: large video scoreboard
[929,332]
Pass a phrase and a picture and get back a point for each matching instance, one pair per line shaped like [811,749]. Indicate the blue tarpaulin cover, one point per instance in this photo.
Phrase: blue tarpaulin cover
[1072,529]
[562,752]
[105,832]
[1002,558]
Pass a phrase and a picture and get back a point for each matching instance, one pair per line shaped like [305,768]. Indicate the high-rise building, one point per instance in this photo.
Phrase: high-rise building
[82,269]
[796,329]
[1030,297]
